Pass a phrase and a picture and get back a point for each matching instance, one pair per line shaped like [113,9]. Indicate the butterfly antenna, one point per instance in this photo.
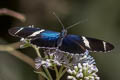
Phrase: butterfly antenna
[59,20]
[77,23]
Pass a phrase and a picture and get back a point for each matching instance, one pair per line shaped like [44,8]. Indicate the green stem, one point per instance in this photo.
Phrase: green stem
[56,71]
[61,69]
[62,73]
[37,51]
[48,73]
[43,74]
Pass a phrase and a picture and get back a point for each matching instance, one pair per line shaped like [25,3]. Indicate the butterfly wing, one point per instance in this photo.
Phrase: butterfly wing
[25,32]
[78,44]
[39,37]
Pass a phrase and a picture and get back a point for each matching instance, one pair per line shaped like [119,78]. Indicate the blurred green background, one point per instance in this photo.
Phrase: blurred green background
[103,23]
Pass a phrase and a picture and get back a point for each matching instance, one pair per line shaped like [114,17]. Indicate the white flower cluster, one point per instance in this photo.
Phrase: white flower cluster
[59,58]
[79,66]
[83,71]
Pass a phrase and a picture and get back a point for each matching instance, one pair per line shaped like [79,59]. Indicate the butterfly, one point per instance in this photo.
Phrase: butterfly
[70,43]
[62,41]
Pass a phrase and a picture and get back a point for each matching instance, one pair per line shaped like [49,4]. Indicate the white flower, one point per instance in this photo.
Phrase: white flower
[79,75]
[85,71]
[71,77]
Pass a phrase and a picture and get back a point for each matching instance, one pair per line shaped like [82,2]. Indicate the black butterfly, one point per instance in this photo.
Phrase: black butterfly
[67,43]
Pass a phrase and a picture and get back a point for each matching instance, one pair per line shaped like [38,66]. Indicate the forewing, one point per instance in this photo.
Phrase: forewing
[78,44]
[97,45]
[48,39]
[25,32]
[37,36]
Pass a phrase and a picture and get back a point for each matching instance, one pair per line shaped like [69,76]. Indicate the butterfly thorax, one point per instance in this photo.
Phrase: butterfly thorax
[62,36]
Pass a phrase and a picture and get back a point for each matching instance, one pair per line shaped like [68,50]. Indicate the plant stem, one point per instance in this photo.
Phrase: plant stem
[56,71]
[48,73]
[61,74]
[61,71]
[37,51]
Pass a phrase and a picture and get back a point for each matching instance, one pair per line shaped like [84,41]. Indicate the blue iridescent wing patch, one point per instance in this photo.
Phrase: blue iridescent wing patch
[46,39]
[71,43]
